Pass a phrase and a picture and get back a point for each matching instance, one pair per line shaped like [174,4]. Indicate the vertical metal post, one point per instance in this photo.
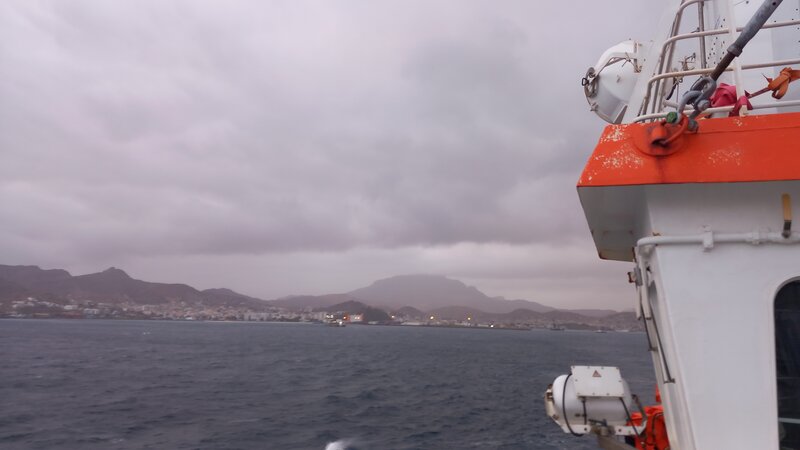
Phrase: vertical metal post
[666,61]
[701,19]
[733,34]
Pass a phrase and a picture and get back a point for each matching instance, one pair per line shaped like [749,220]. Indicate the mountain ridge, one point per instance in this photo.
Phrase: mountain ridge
[112,286]
[419,296]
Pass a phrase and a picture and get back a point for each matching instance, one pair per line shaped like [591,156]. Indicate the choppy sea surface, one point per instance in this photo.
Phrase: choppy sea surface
[87,384]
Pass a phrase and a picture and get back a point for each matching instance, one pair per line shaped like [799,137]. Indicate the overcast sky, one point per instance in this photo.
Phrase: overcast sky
[286,147]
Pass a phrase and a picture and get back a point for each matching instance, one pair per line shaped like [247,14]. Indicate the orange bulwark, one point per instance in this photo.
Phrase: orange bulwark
[722,150]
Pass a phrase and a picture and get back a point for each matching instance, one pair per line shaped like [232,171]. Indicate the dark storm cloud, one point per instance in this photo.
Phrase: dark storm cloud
[147,128]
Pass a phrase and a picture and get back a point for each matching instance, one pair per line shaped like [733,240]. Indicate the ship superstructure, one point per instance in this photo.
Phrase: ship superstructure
[695,184]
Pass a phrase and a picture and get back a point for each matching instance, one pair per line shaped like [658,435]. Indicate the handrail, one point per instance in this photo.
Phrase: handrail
[653,99]
[676,24]
[684,5]
[698,34]
[683,73]
[661,115]
[701,35]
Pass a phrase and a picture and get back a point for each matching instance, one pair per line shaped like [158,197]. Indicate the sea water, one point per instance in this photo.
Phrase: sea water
[94,384]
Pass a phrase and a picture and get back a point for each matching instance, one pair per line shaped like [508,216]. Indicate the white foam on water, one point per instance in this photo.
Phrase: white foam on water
[341,444]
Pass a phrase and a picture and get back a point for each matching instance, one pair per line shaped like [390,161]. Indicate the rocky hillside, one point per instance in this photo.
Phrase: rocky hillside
[111,286]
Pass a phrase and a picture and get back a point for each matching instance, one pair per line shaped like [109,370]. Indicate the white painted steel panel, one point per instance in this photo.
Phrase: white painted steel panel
[597,381]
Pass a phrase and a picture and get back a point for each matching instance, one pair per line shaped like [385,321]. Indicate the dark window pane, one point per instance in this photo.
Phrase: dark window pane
[787,343]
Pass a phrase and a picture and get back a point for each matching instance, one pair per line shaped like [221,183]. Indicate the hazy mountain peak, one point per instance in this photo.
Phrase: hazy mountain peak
[427,292]
[421,291]
[115,272]
[423,281]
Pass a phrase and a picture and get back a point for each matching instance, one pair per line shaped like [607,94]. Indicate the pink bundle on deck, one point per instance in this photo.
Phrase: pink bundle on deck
[725,95]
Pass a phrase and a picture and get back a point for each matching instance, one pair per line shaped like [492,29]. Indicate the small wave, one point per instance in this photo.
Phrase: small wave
[341,444]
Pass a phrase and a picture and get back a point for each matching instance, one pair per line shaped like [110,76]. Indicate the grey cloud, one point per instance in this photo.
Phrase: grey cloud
[155,129]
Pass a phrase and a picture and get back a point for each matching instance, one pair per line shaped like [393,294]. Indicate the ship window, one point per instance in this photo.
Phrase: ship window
[787,343]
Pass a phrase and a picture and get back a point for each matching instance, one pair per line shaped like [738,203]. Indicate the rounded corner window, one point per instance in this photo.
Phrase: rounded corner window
[787,353]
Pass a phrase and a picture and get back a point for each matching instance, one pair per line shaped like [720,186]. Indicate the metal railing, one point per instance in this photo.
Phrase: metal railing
[655,101]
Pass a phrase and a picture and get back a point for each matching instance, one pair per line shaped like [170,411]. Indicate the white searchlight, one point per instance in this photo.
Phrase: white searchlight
[592,399]
[609,84]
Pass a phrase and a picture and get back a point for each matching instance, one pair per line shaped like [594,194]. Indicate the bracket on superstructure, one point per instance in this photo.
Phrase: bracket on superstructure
[787,216]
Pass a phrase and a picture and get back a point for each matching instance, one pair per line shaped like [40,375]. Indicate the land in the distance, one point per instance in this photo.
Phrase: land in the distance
[32,292]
